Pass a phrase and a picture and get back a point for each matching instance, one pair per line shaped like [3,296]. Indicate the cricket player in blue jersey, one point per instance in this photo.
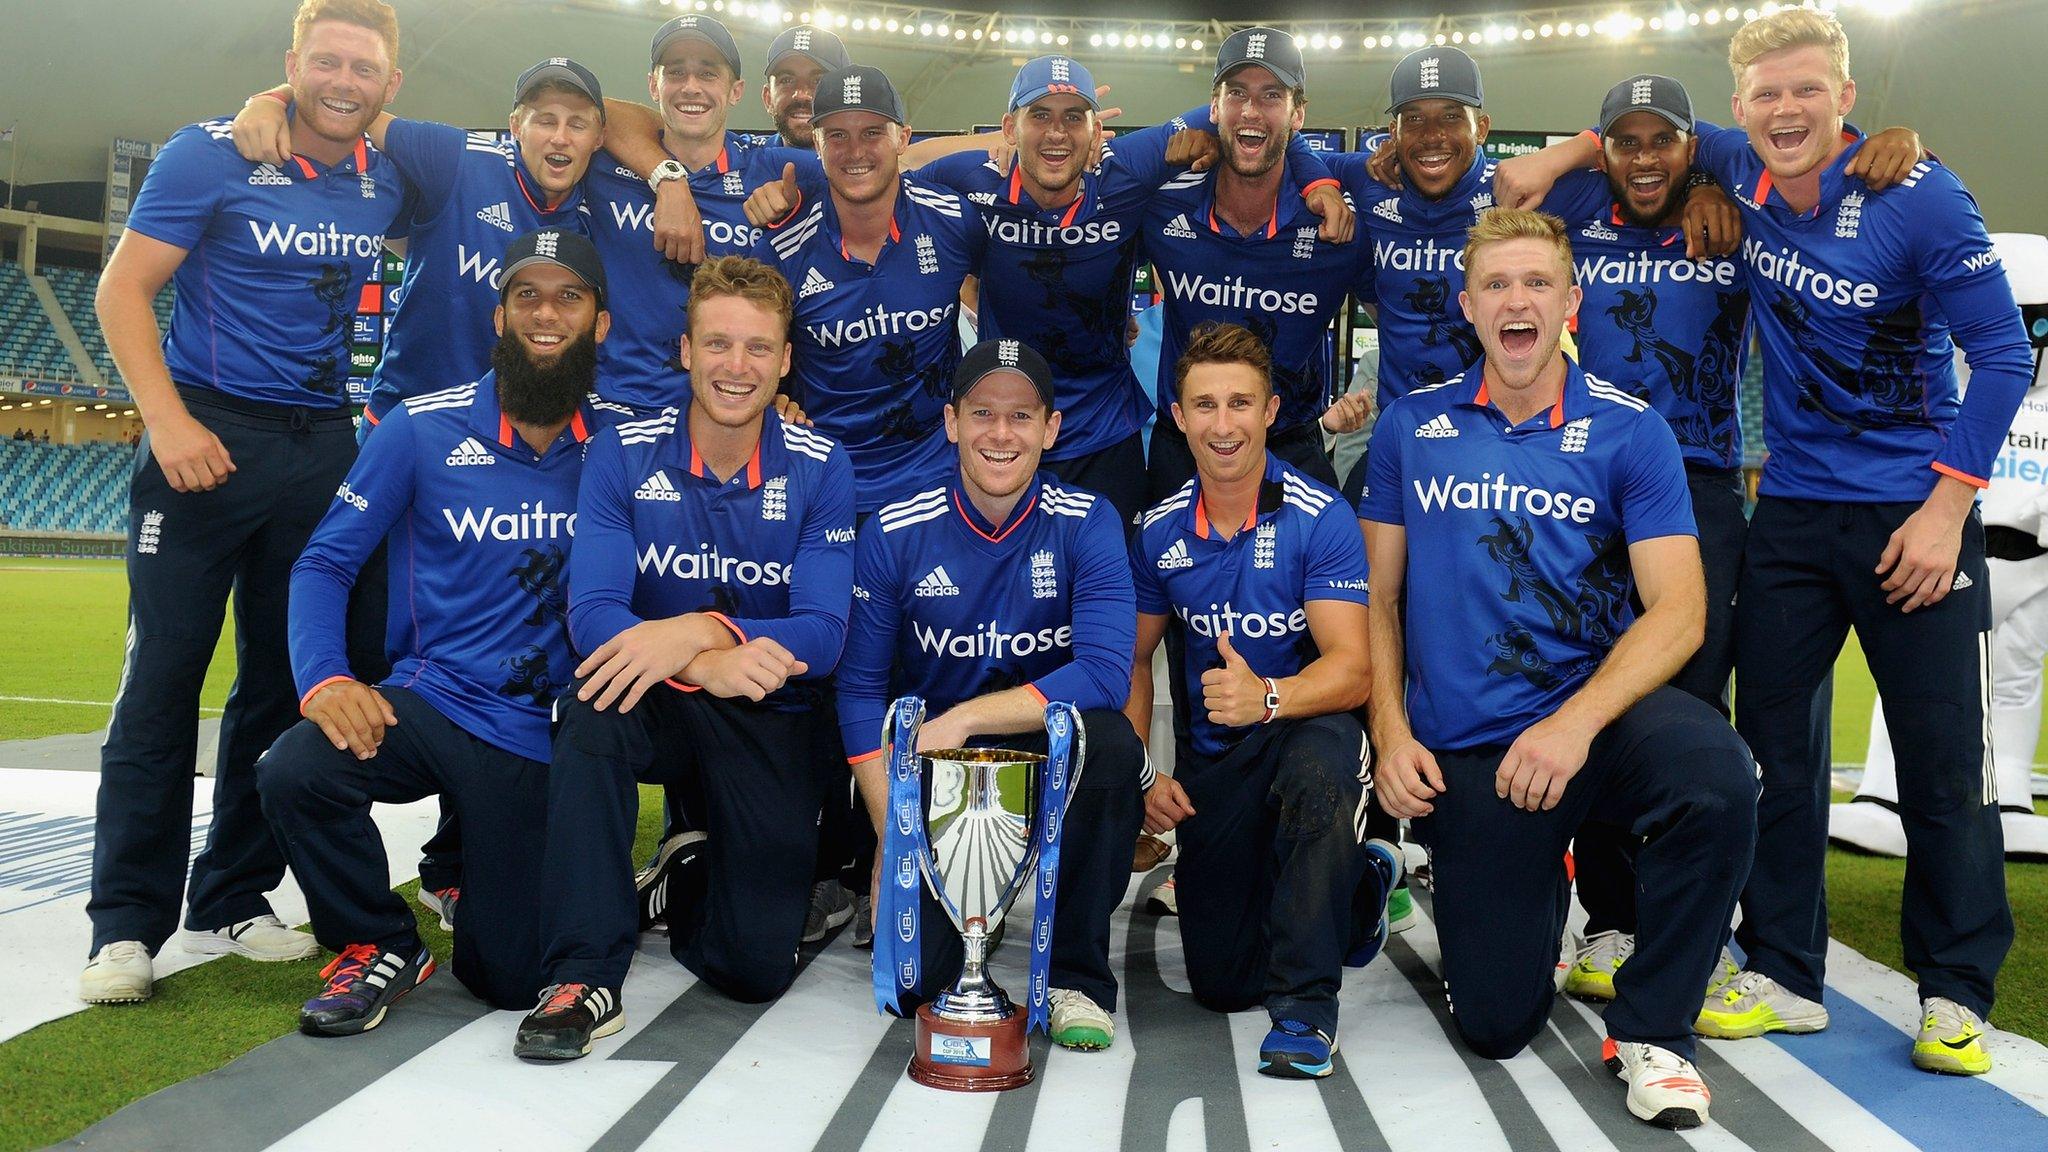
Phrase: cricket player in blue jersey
[989,596]
[877,258]
[1866,519]
[1240,244]
[248,432]
[476,487]
[709,596]
[1262,570]
[1512,513]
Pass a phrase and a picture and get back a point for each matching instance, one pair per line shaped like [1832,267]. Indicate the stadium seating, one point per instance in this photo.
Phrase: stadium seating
[75,288]
[65,487]
[28,344]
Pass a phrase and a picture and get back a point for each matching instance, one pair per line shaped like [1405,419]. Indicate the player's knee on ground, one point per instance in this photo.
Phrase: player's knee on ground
[1496,1036]
[754,977]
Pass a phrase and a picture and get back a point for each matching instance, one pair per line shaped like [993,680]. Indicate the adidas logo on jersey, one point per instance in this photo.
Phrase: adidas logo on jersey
[1599,231]
[470,452]
[1176,557]
[1388,210]
[498,216]
[937,583]
[1576,433]
[982,197]
[1439,428]
[814,283]
[1179,228]
[267,175]
[657,487]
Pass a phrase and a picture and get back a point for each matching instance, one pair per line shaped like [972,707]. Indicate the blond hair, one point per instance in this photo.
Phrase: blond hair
[1500,225]
[375,15]
[1790,28]
[1214,343]
[746,278]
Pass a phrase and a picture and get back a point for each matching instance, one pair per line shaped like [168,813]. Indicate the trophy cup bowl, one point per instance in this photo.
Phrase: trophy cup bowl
[981,806]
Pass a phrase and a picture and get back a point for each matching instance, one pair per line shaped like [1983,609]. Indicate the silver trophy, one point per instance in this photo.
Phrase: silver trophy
[981,824]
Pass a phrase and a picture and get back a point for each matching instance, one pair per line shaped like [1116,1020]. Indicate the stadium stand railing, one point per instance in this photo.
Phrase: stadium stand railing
[28,344]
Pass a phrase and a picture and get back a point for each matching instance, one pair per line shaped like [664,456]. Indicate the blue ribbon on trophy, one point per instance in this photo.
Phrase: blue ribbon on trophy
[897,954]
[1063,738]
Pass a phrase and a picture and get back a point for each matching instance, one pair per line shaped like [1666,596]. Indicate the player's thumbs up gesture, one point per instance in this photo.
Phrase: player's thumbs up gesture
[1234,694]
[772,203]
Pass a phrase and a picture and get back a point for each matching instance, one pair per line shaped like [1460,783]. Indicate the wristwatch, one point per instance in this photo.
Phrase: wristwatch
[666,171]
[1272,700]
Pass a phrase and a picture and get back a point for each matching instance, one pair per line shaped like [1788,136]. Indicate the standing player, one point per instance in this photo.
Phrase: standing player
[710,589]
[796,60]
[1674,331]
[1238,244]
[694,81]
[1263,572]
[1866,519]
[877,258]
[465,710]
[248,428]
[990,597]
[1513,510]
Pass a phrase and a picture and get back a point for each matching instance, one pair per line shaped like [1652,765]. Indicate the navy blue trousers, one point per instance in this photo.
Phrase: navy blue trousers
[739,773]
[187,551]
[1670,772]
[1269,865]
[1808,578]
[318,798]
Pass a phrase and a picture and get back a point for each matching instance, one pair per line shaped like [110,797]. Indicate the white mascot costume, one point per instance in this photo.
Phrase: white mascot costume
[2018,502]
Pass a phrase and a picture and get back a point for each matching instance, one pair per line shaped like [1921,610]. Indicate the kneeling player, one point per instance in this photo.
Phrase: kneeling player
[990,597]
[464,712]
[1264,570]
[1510,505]
[710,589]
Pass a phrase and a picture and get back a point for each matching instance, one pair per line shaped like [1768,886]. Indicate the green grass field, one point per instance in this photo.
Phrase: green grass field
[70,1073]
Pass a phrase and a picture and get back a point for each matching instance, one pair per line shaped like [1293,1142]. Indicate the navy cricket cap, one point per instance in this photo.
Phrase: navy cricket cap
[992,356]
[1048,75]
[1440,72]
[560,247]
[807,40]
[856,88]
[1270,48]
[1646,93]
[559,70]
[698,28]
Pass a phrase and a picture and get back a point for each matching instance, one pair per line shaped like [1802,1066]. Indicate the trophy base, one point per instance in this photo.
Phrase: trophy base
[969,1057]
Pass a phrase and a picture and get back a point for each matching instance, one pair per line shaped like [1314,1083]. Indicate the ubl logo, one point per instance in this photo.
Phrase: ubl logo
[906,875]
[1044,937]
[904,820]
[1045,883]
[909,973]
[906,926]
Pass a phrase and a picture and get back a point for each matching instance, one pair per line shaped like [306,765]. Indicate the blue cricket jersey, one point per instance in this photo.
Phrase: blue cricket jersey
[1418,263]
[480,527]
[768,552]
[948,607]
[1301,543]
[1855,304]
[277,259]
[1518,577]
[876,343]
[1279,281]
[640,363]
[1665,328]
[474,198]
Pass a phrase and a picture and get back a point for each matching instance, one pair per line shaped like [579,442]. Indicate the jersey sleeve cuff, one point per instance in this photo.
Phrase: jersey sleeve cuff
[1965,477]
[682,686]
[1325,182]
[1034,690]
[315,690]
[855,761]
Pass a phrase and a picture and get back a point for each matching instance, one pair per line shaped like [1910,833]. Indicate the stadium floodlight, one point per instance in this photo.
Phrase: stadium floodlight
[1195,45]
[1528,33]
[1336,42]
[1063,39]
